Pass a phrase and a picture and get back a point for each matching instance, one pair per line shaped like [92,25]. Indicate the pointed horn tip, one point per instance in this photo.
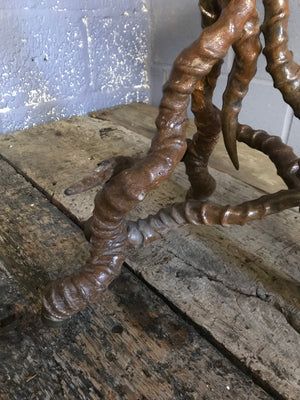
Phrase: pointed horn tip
[235,162]
[232,152]
[229,136]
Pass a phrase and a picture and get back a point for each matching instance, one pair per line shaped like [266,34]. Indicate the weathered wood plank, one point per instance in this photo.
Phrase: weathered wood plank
[255,168]
[53,155]
[240,284]
[129,346]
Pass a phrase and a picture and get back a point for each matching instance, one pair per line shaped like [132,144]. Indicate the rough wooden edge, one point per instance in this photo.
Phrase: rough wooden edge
[129,346]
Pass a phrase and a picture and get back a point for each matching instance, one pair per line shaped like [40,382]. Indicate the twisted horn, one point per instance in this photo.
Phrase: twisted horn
[109,236]
[280,64]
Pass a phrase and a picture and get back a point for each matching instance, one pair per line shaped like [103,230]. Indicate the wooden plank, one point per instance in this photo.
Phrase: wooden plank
[240,284]
[130,346]
[53,155]
[255,168]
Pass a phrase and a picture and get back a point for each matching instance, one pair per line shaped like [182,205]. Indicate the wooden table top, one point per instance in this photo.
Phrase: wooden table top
[188,314]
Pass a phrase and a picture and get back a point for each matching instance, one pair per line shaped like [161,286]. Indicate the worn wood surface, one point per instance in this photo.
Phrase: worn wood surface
[255,168]
[54,155]
[240,284]
[130,345]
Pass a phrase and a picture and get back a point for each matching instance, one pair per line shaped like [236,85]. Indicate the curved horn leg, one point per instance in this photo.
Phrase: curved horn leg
[247,50]
[207,121]
[280,63]
[208,125]
[121,193]
[105,170]
[72,294]
[283,157]
[154,227]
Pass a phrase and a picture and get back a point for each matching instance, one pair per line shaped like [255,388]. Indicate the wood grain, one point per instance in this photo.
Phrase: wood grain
[128,346]
[240,284]
[255,168]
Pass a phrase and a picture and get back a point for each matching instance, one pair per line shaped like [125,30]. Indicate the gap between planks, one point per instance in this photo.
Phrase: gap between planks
[236,295]
[130,345]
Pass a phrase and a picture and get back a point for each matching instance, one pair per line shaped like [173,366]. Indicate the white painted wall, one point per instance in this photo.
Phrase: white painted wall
[65,57]
[60,58]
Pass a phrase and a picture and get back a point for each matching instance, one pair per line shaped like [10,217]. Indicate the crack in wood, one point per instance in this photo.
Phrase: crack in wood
[291,314]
